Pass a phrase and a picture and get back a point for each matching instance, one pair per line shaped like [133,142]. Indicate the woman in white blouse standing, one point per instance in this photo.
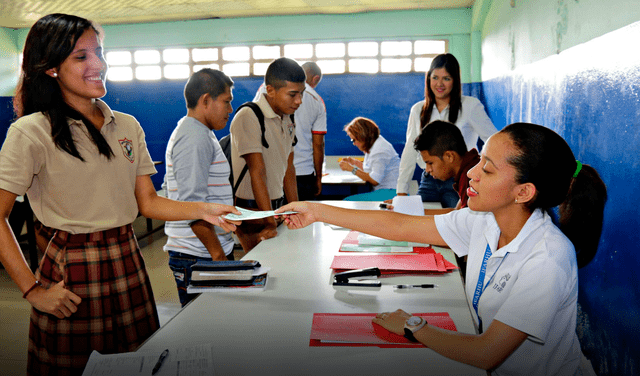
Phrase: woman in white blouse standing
[443,101]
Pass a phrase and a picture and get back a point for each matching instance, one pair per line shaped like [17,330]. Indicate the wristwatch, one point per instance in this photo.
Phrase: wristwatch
[355,169]
[412,325]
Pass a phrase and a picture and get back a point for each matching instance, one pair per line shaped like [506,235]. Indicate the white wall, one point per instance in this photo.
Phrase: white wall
[531,30]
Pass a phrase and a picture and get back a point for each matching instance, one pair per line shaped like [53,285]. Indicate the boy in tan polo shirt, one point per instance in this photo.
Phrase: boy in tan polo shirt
[271,175]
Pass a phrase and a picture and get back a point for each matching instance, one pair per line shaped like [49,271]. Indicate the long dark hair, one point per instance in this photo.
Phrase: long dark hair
[545,160]
[49,42]
[450,63]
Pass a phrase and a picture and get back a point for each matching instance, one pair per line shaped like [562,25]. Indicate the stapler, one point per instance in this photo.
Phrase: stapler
[344,278]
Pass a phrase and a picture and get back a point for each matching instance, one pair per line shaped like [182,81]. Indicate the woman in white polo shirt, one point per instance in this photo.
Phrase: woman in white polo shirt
[381,161]
[522,269]
[86,170]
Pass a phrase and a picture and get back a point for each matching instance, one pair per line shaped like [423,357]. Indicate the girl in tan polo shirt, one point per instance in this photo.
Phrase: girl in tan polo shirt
[86,170]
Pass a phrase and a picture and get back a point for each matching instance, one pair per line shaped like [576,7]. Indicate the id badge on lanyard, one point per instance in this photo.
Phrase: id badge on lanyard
[480,287]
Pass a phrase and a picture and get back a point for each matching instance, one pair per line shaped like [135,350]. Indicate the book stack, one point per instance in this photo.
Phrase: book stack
[211,275]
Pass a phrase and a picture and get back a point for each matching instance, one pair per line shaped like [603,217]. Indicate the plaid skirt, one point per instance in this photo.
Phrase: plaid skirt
[117,313]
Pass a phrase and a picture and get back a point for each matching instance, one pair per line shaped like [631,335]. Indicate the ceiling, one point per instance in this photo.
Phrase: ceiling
[23,13]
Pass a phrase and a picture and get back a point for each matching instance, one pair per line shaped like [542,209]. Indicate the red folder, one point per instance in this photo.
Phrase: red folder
[356,329]
[388,263]
[392,263]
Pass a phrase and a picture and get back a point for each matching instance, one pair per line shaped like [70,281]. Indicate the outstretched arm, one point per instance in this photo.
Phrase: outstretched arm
[151,205]
[381,223]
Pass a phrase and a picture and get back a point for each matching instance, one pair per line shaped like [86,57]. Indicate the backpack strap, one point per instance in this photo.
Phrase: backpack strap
[295,138]
[258,112]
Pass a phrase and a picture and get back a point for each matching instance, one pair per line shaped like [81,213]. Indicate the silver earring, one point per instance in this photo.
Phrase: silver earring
[516,200]
[55,74]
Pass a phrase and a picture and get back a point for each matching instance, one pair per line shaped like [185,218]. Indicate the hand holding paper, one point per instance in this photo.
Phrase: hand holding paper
[299,214]
[247,215]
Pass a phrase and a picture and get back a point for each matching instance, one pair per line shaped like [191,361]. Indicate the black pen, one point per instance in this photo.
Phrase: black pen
[424,286]
[163,356]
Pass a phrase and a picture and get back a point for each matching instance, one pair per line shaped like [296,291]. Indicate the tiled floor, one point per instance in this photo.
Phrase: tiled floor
[14,311]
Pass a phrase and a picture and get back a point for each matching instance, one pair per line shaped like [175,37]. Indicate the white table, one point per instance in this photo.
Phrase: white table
[267,333]
[334,175]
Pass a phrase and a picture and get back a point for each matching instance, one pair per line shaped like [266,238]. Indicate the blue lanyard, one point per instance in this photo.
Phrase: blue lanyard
[479,287]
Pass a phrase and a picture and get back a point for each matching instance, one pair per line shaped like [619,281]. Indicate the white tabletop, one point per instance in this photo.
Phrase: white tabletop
[333,174]
[267,332]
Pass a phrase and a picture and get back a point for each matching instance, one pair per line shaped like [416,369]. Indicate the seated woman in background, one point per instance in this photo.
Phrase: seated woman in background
[522,271]
[381,161]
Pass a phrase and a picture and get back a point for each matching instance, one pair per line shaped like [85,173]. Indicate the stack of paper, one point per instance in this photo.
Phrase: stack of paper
[356,329]
[395,263]
[366,251]
[227,275]
[359,242]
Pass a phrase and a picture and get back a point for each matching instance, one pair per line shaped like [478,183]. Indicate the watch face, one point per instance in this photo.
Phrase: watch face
[414,320]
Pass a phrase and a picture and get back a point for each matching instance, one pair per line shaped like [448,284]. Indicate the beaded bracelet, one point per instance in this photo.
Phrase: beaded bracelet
[24,296]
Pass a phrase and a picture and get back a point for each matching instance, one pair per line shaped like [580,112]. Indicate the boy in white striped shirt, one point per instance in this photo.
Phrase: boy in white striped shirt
[197,170]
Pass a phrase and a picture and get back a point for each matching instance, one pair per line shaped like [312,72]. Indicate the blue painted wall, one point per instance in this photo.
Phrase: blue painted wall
[6,115]
[590,95]
[384,98]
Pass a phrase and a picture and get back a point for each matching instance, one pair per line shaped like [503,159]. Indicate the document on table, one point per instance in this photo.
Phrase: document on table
[411,205]
[356,241]
[247,215]
[187,361]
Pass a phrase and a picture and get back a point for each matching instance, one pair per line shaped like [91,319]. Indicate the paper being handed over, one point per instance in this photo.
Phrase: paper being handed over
[247,215]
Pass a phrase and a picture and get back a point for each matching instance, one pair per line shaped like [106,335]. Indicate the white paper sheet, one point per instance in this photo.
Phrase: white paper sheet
[187,361]
[411,205]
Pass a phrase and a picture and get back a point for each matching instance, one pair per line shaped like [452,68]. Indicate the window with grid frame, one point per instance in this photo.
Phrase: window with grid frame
[333,57]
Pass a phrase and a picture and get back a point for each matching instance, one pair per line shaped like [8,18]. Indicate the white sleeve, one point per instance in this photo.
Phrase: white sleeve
[479,119]
[409,154]
[378,162]
[320,123]
[455,229]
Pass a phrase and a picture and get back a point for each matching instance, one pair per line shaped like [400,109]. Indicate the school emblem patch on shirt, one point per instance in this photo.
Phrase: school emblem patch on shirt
[127,149]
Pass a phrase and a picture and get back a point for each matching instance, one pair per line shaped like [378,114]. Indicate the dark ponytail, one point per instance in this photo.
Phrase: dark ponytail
[581,214]
[545,160]
[49,42]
